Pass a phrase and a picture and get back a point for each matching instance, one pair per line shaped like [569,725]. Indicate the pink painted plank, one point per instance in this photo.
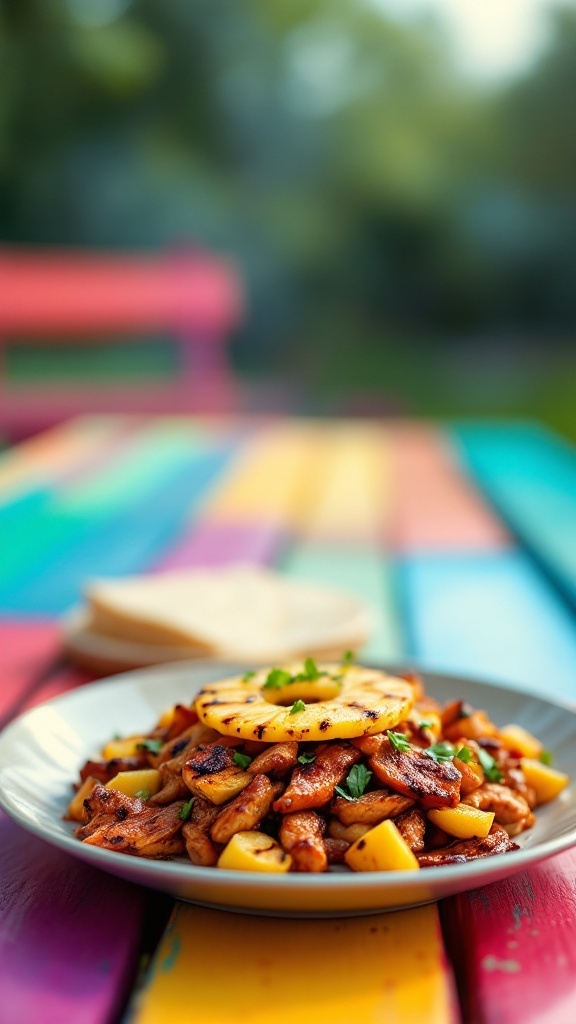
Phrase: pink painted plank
[435,507]
[69,935]
[27,647]
[514,944]
[220,543]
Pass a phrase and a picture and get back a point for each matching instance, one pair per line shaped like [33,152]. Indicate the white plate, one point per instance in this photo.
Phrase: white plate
[42,751]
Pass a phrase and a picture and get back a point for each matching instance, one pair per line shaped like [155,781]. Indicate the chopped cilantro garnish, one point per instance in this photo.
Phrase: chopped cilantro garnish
[143,794]
[425,724]
[399,740]
[186,809]
[248,676]
[441,752]
[545,757]
[311,669]
[276,679]
[464,754]
[242,760]
[307,758]
[298,705]
[348,658]
[153,746]
[356,781]
[491,769]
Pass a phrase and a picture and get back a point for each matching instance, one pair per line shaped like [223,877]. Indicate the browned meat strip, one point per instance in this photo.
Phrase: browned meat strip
[196,833]
[131,826]
[510,809]
[106,770]
[301,836]
[174,789]
[195,734]
[183,718]
[246,811]
[412,826]
[276,760]
[370,808]
[416,775]
[335,849]
[497,841]
[312,785]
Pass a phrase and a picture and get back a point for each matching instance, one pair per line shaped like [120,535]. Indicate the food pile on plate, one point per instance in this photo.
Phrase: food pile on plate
[305,766]
[240,612]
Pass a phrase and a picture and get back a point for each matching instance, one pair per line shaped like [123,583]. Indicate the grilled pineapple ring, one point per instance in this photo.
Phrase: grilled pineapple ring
[339,704]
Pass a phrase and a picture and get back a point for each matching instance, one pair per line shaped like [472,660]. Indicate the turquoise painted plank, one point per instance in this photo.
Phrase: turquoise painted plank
[529,473]
[366,574]
[490,616]
[130,542]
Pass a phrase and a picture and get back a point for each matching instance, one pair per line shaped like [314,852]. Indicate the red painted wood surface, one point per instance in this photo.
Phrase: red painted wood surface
[27,650]
[68,292]
[69,936]
[434,507]
[514,944]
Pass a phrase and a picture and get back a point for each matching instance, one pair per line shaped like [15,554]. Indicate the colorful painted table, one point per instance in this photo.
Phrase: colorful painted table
[464,539]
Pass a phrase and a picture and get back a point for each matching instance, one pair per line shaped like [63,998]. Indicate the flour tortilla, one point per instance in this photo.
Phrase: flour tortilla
[239,611]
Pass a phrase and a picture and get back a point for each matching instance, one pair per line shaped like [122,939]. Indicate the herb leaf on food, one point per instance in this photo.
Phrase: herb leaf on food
[297,706]
[399,740]
[306,758]
[356,781]
[276,679]
[143,794]
[491,769]
[186,809]
[545,757]
[153,746]
[242,760]
[440,752]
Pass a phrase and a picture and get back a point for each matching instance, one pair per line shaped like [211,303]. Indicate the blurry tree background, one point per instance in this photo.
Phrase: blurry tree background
[408,235]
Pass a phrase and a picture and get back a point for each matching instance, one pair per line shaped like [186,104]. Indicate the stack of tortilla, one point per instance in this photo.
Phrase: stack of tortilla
[240,612]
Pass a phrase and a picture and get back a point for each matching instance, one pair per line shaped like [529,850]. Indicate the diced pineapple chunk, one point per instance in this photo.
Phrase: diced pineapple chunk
[546,781]
[122,748]
[75,810]
[131,783]
[219,787]
[254,851]
[463,821]
[381,849]
[514,737]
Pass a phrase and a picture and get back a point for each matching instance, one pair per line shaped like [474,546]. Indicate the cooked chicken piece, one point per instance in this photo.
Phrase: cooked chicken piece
[106,770]
[417,776]
[212,772]
[347,833]
[173,789]
[369,745]
[511,768]
[472,724]
[130,826]
[192,736]
[182,719]
[312,785]
[276,760]
[412,826]
[335,849]
[455,711]
[510,809]
[497,841]
[301,835]
[246,811]
[370,808]
[196,833]
[472,775]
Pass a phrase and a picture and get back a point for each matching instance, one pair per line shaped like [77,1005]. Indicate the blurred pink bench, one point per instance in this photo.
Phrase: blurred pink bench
[50,295]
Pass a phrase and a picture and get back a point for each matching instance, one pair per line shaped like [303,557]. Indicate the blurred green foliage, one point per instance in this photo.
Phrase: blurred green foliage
[402,231]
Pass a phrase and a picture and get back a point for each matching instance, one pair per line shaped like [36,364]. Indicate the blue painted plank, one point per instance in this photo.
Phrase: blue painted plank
[492,616]
[124,543]
[529,473]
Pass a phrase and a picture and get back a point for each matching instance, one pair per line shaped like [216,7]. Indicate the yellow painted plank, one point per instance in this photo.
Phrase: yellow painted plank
[219,967]
[354,499]
[270,479]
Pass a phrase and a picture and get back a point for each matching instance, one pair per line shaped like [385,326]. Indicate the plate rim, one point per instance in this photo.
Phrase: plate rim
[484,868]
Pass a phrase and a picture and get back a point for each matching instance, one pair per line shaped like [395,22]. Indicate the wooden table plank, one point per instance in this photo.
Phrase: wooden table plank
[490,615]
[388,967]
[69,935]
[529,473]
[27,649]
[435,507]
[212,544]
[515,946]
